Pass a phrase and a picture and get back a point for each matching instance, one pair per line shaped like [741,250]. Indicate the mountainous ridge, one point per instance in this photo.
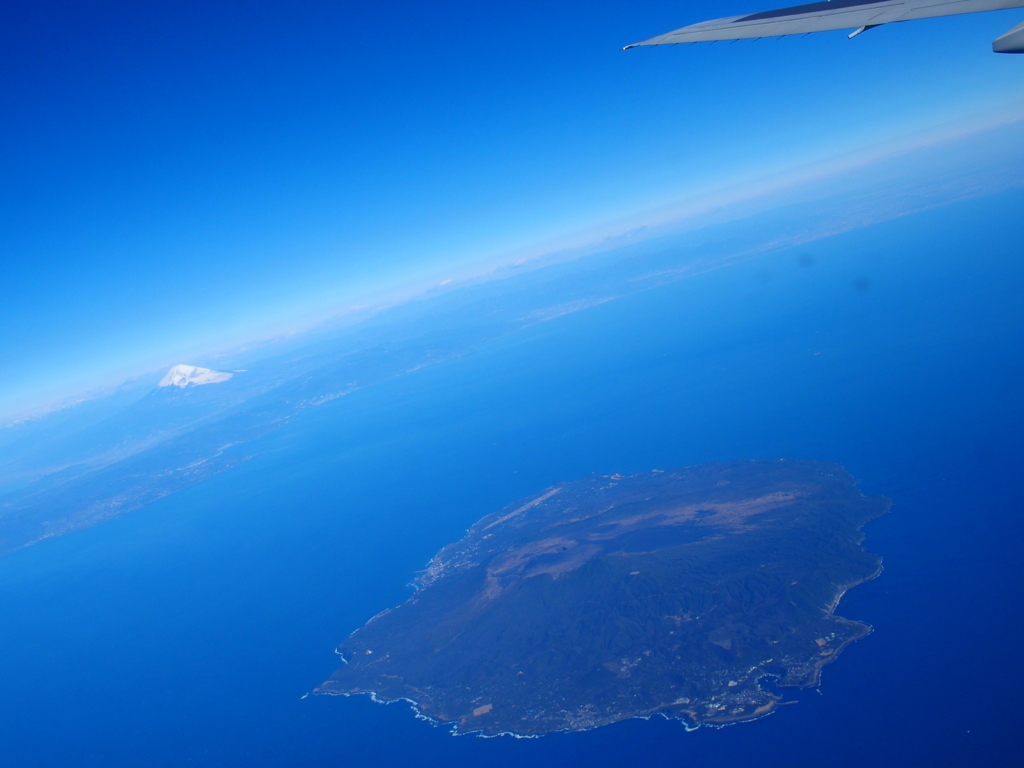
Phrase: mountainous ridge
[190,375]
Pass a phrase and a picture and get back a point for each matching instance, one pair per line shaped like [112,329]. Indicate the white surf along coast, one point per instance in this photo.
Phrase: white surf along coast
[189,375]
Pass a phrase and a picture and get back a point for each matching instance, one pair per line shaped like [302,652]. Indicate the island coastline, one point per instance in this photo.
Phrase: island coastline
[573,538]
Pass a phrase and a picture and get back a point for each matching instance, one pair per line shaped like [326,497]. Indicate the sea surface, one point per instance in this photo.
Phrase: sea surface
[187,633]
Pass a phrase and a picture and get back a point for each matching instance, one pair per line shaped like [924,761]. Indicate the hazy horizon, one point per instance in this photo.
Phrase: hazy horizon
[728,202]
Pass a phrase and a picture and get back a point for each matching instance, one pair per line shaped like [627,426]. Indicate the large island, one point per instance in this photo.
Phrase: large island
[675,593]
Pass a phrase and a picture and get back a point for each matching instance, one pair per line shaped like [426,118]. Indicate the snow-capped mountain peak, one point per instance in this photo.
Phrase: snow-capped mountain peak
[189,375]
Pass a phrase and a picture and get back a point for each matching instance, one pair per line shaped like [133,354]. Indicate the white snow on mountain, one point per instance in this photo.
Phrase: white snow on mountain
[189,375]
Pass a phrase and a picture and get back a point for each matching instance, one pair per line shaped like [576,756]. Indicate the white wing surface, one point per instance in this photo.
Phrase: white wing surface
[823,16]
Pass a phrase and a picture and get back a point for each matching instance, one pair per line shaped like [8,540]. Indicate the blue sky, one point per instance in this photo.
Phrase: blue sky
[177,177]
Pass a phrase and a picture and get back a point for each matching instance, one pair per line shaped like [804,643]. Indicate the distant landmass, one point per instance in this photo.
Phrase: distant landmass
[676,593]
[111,454]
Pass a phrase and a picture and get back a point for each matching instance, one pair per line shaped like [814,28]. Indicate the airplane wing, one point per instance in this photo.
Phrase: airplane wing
[858,15]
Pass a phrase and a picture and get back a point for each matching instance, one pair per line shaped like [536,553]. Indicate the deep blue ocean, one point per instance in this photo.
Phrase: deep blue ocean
[186,634]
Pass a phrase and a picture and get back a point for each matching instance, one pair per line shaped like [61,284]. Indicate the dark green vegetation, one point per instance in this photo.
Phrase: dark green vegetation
[615,597]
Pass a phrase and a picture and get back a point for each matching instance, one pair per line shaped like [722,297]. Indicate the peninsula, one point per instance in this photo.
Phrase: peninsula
[668,592]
